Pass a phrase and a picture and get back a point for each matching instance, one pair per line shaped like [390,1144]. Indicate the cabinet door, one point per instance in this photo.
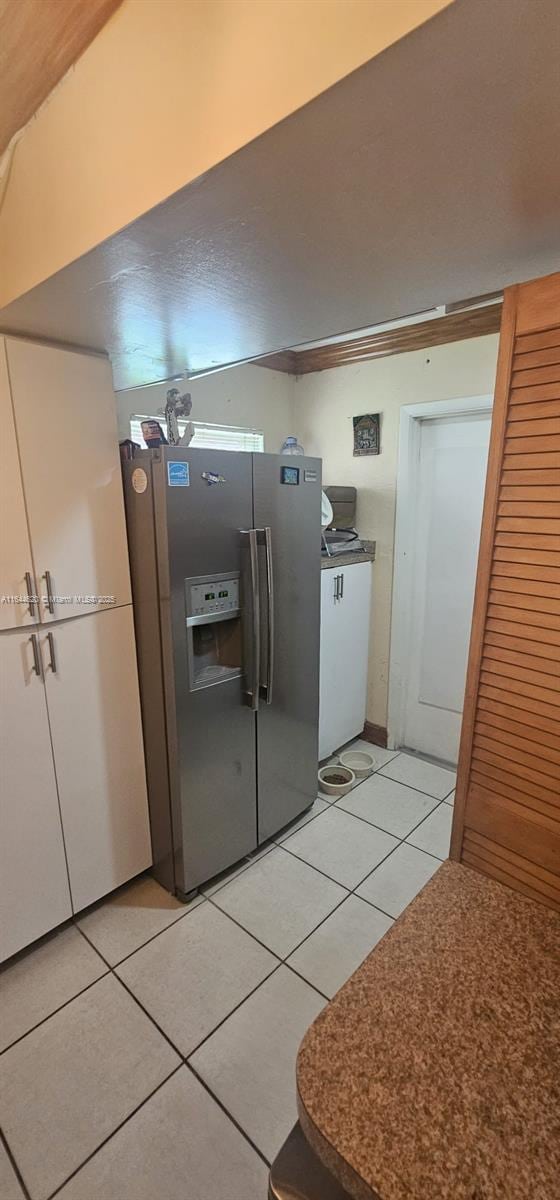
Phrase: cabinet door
[507,803]
[34,893]
[16,568]
[94,710]
[345,610]
[66,426]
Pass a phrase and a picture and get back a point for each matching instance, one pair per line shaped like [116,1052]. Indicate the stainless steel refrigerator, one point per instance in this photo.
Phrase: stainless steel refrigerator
[225,561]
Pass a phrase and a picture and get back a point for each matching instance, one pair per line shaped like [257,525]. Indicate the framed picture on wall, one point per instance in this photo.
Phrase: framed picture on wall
[366,434]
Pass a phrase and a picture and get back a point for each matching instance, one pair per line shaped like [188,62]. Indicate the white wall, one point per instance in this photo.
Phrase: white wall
[250,396]
[325,404]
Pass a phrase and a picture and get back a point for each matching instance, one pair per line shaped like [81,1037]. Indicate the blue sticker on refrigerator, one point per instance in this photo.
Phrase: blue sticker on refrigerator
[178,473]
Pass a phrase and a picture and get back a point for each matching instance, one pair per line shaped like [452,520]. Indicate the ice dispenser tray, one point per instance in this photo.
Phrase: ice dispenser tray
[213,623]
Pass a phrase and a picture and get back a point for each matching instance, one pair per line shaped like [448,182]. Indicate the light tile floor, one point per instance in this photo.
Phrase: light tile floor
[149,1048]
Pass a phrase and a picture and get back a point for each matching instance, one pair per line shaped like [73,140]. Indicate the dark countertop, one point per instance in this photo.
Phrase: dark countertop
[348,560]
[434,1072]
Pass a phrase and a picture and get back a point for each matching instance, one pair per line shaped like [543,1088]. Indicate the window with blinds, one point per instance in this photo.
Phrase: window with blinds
[206,436]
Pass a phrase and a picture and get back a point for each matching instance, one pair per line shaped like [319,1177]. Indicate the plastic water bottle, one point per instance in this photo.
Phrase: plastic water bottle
[292,446]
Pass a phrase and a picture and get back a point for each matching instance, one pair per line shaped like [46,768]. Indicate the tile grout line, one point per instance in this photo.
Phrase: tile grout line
[353,891]
[4,1142]
[113,972]
[183,1062]
[99,904]
[416,827]
[360,881]
[227,1114]
[281,845]
[115,1131]
[184,1059]
[291,968]
[380,827]
[240,870]
[111,968]
[65,1004]
[281,962]
[229,1014]
[438,799]
[349,891]
[189,908]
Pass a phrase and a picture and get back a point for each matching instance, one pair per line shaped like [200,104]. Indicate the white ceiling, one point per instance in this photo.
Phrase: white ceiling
[430,174]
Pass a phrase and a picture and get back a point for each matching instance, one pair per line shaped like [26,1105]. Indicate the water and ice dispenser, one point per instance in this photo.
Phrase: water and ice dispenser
[213,621]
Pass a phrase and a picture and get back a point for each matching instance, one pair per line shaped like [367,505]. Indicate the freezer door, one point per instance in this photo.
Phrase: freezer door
[203,499]
[287,502]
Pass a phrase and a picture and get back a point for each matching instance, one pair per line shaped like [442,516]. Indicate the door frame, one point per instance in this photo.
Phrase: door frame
[408,463]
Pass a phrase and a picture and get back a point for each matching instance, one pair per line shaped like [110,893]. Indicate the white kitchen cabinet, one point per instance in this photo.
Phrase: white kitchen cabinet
[34,892]
[16,565]
[66,428]
[94,711]
[73,801]
[345,621]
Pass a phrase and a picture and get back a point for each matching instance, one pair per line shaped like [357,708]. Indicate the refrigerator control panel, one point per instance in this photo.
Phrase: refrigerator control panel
[208,597]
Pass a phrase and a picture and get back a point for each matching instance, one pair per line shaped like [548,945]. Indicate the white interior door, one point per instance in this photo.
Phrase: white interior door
[16,567]
[34,892]
[66,425]
[94,711]
[446,532]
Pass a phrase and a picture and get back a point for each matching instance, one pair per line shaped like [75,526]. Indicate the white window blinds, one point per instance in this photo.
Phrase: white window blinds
[206,436]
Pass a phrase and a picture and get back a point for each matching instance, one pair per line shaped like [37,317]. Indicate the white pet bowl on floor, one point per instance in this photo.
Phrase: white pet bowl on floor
[336,780]
[358,761]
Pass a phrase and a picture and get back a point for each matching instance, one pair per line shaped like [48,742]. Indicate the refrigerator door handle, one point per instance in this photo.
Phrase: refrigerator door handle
[252,693]
[266,690]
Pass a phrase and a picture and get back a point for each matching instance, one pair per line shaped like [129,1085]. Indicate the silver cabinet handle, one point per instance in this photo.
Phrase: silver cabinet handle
[31,595]
[48,585]
[342,586]
[252,693]
[335,596]
[36,655]
[52,654]
[266,690]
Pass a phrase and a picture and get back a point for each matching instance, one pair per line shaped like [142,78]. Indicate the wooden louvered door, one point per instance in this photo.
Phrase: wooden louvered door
[507,810]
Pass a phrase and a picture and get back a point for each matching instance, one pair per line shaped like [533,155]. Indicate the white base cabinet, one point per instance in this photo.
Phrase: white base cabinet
[345,621]
[94,712]
[34,891]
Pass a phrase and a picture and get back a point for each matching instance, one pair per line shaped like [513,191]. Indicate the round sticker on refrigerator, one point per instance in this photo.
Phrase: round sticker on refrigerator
[139,480]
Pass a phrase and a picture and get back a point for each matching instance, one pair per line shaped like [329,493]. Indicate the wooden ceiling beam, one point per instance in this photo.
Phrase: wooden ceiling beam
[455,327]
[284,360]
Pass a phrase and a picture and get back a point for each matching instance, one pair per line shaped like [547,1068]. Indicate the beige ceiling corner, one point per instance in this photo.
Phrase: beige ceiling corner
[163,93]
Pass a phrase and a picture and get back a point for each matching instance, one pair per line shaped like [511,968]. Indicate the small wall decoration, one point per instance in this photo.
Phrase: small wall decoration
[366,434]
